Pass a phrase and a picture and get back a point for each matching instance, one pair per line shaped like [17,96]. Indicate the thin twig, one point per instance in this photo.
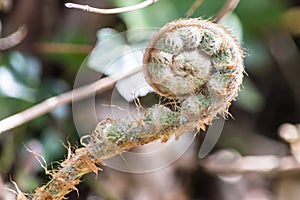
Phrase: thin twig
[285,52]
[193,8]
[13,39]
[113,10]
[252,164]
[62,48]
[228,7]
[65,98]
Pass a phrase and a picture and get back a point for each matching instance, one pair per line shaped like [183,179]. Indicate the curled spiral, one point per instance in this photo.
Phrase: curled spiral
[197,62]
[194,61]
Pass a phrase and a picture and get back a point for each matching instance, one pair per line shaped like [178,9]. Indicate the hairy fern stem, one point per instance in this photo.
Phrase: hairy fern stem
[194,61]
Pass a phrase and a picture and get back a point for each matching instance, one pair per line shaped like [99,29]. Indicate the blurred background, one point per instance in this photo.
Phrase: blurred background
[43,45]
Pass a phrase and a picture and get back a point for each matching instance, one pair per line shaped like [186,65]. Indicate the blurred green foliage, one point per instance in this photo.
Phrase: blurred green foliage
[28,77]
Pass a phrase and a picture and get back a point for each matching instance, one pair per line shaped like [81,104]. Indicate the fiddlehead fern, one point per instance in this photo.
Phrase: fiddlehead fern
[197,62]
[194,61]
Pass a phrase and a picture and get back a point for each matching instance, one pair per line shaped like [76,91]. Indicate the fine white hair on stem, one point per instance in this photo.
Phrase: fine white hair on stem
[113,10]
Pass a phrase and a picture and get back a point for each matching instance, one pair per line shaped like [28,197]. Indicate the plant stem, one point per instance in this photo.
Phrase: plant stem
[228,7]
[113,10]
[62,48]
[13,39]
[194,7]
[88,158]
[56,101]
[266,164]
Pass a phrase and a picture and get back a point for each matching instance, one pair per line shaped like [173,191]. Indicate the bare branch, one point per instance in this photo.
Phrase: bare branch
[54,102]
[285,52]
[228,7]
[13,39]
[62,48]
[252,164]
[113,10]
[230,162]
[291,134]
[194,7]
